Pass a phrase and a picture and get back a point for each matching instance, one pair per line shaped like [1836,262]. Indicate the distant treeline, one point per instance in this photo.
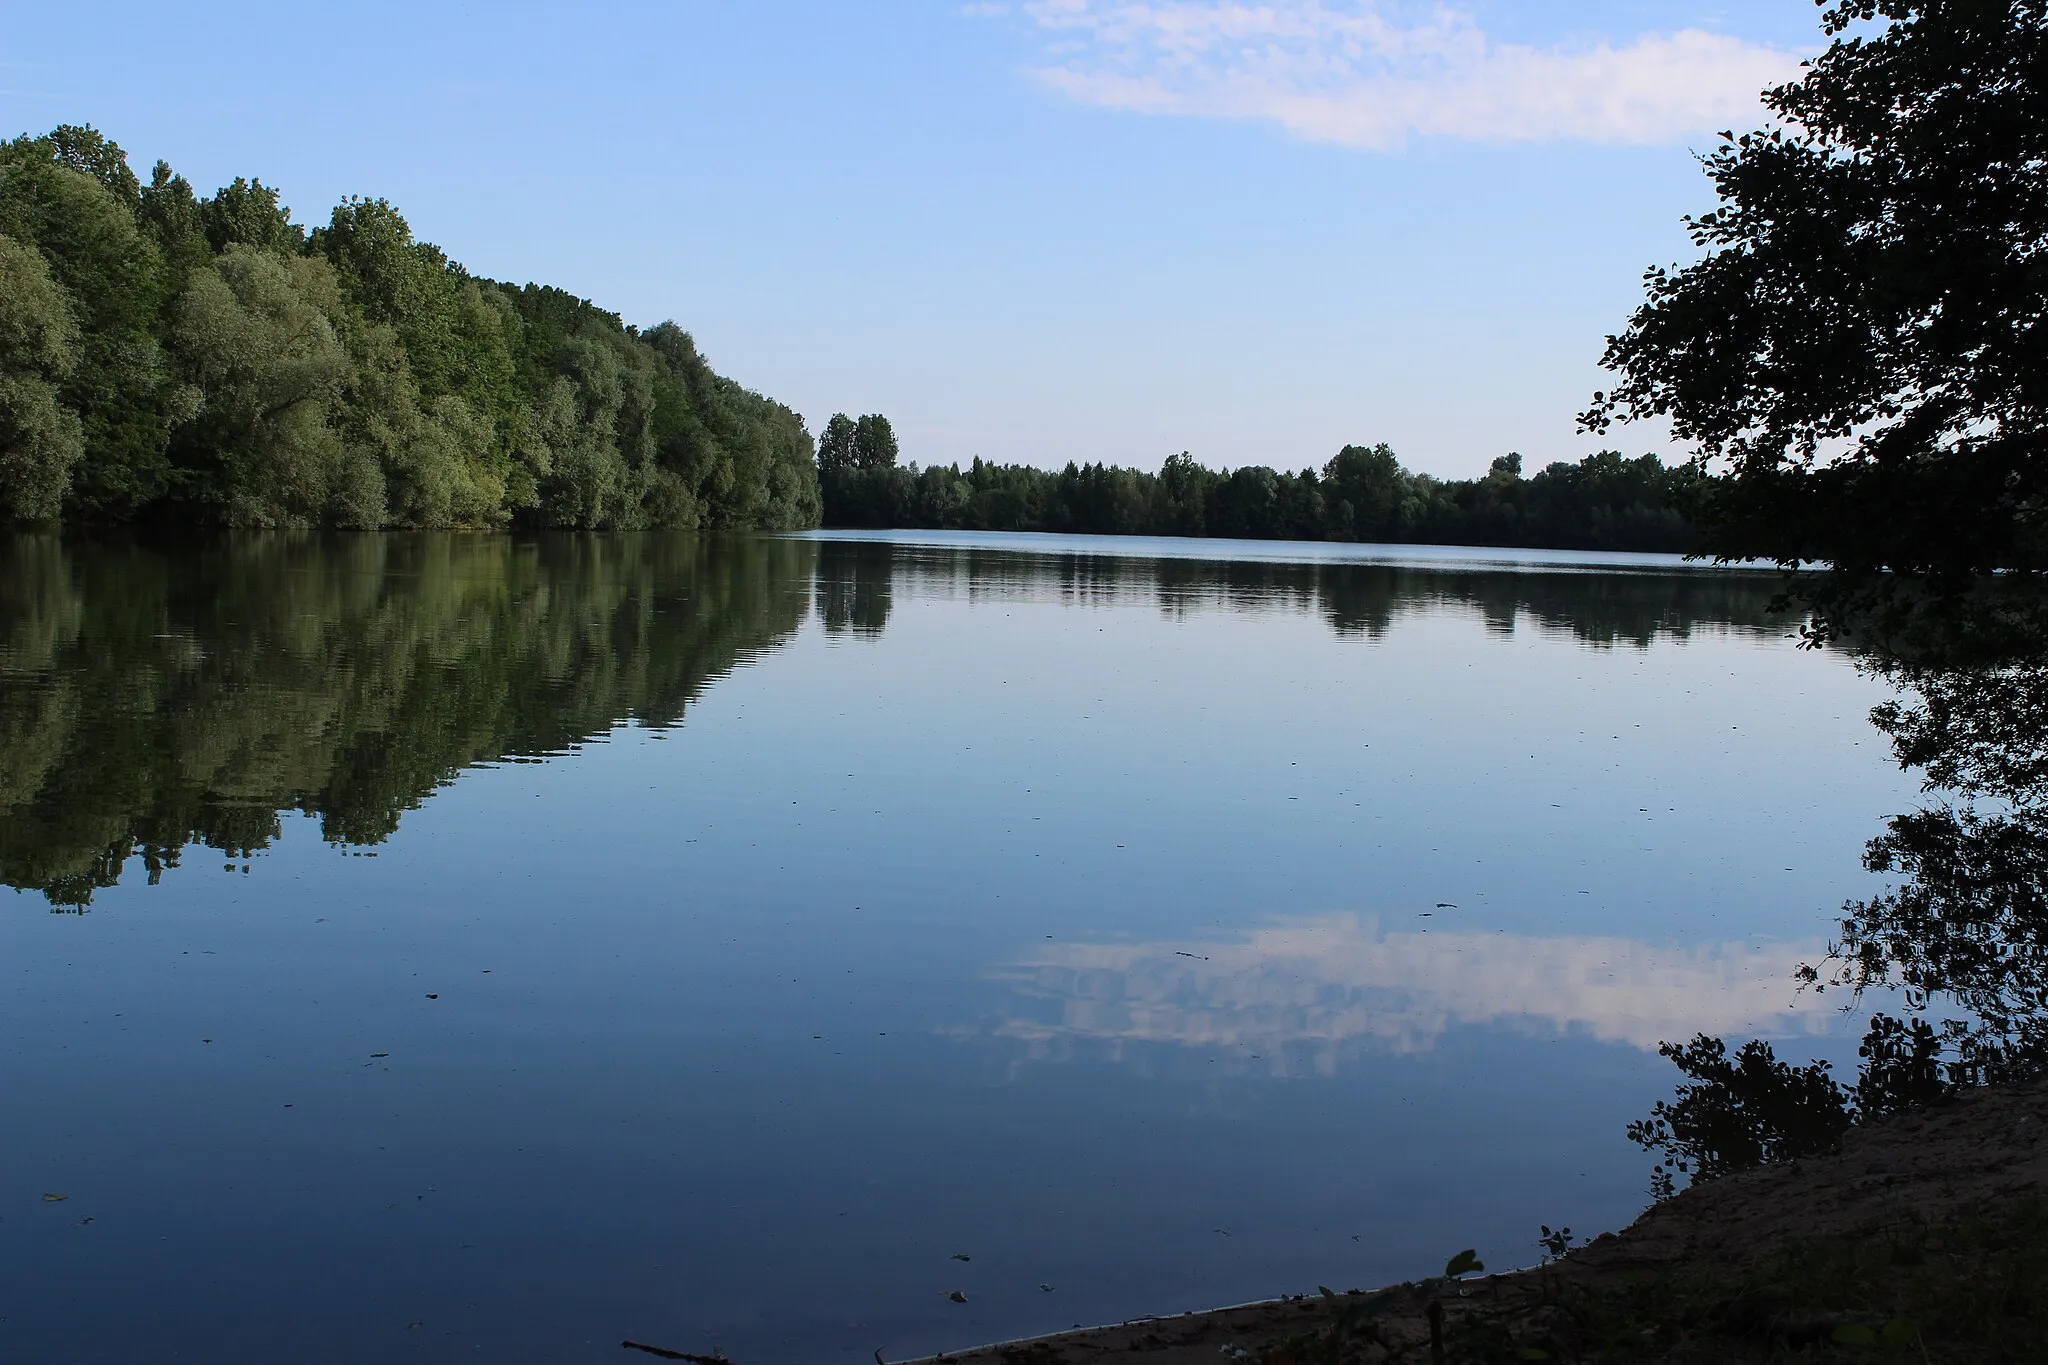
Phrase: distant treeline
[1604,502]
[169,358]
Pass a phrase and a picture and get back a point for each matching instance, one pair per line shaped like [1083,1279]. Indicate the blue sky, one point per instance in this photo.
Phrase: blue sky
[1038,231]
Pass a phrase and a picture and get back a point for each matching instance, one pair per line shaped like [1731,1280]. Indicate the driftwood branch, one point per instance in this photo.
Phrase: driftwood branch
[667,1354]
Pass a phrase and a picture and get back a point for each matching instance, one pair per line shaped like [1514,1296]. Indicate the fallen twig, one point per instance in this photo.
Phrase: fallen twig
[666,1354]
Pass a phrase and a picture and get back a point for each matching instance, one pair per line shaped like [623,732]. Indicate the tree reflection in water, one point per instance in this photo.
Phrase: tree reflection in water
[1960,939]
[156,696]
[153,698]
[1965,933]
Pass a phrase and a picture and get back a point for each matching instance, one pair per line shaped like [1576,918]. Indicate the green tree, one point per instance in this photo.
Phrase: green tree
[1183,496]
[90,152]
[874,442]
[1370,483]
[248,212]
[71,196]
[40,438]
[254,337]
[223,365]
[454,338]
[170,215]
[836,450]
[1861,347]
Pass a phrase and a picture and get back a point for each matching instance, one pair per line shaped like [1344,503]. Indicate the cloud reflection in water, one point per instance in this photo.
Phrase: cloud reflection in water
[1300,994]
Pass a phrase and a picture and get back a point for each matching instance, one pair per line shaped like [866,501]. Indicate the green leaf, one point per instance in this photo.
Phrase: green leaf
[1464,1263]
[1853,1334]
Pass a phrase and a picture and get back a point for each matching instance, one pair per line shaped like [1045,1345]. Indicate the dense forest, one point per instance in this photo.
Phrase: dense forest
[1603,502]
[171,359]
[168,358]
[181,360]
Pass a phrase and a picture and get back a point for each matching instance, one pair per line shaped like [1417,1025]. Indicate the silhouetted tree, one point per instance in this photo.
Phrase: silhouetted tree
[1861,347]
[1604,502]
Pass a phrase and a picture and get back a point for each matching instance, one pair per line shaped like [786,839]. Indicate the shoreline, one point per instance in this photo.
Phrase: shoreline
[1826,1252]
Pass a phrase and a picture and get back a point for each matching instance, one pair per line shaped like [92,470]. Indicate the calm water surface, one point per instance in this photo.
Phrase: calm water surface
[442,947]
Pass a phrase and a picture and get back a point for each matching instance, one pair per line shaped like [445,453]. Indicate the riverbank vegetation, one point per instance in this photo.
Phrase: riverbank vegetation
[207,361]
[177,360]
[1362,493]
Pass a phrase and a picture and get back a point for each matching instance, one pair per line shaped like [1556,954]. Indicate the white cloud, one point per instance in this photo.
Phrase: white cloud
[1373,73]
[1313,987]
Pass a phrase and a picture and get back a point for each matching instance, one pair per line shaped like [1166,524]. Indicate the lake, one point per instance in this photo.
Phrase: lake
[446,946]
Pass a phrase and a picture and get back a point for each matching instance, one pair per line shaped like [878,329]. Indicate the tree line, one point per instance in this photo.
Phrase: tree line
[171,358]
[1603,502]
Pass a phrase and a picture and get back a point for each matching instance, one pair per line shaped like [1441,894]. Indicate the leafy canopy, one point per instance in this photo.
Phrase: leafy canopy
[1863,345]
[170,358]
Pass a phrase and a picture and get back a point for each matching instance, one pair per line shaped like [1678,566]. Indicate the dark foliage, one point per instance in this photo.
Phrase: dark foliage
[1862,346]
[1960,937]
[1604,502]
[1741,1112]
[1967,922]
